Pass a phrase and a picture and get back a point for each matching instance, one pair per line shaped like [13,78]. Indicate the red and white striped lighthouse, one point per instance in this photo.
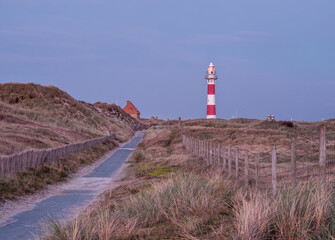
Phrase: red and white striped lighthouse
[211,78]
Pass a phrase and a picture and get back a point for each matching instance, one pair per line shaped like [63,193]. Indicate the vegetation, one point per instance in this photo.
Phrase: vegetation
[190,200]
[35,179]
[258,135]
[36,117]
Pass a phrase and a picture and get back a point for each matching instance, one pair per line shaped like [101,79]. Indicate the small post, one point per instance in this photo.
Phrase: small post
[236,161]
[221,155]
[229,159]
[199,147]
[181,126]
[218,156]
[294,162]
[210,152]
[257,170]
[246,168]
[207,151]
[204,148]
[224,157]
[2,172]
[323,153]
[274,170]
[213,153]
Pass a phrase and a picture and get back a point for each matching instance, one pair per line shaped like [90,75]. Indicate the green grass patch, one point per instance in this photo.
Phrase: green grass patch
[146,166]
[160,171]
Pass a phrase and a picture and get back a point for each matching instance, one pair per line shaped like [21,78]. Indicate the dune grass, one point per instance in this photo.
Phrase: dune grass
[196,201]
[259,135]
[35,117]
[192,206]
[35,179]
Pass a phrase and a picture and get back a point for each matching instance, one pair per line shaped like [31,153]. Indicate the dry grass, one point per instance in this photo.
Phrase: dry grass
[258,135]
[182,205]
[34,117]
[195,201]
[38,117]
[32,180]
[304,212]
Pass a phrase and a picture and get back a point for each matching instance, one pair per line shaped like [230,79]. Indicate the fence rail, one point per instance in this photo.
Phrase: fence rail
[272,170]
[32,158]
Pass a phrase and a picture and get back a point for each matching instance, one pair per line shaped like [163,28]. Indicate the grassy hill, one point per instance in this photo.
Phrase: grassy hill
[35,116]
[258,135]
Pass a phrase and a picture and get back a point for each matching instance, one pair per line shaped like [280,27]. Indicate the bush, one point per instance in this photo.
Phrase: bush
[288,124]
[138,156]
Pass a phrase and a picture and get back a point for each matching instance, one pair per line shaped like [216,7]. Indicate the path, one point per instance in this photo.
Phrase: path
[65,201]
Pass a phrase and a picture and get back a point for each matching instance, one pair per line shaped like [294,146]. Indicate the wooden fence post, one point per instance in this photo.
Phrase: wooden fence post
[224,157]
[199,147]
[210,153]
[213,154]
[207,152]
[294,162]
[217,154]
[204,149]
[246,168]
[229,160]
[274,170]
[257,170]
[181,127]
[323,153]
[2,172]
[236,161]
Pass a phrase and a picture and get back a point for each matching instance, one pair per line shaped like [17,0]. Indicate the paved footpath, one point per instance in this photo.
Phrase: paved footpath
[72,197]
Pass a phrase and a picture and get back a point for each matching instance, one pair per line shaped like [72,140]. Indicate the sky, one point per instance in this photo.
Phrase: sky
[271,56]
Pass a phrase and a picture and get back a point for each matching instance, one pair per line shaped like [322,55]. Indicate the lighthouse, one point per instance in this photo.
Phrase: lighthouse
[211,78]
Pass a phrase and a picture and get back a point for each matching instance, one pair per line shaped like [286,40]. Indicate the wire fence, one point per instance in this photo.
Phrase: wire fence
[273,169]
[32,158]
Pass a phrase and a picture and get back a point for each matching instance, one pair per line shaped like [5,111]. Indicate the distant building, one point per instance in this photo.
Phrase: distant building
[270,117]
[154,119]
[131,110]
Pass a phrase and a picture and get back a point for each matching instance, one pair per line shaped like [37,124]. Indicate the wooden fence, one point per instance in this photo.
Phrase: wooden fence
[267,170]
[32,158]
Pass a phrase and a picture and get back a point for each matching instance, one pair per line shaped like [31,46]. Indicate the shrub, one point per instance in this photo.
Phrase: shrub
[288,124]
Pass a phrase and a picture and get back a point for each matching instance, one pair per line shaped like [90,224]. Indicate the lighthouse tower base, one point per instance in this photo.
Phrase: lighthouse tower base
[211,117]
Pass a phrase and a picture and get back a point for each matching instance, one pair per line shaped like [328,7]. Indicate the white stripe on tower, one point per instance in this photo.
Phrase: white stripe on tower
[211,99]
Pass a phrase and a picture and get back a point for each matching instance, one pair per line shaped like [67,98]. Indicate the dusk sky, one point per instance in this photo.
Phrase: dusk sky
[271,56]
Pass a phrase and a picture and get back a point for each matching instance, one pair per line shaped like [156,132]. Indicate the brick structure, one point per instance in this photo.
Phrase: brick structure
[131,110]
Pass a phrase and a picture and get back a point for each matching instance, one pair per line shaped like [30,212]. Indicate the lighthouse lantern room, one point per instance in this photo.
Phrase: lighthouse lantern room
[211,78]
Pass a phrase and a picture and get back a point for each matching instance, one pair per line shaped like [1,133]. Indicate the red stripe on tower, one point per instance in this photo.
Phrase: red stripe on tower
[211,89]
[211,78]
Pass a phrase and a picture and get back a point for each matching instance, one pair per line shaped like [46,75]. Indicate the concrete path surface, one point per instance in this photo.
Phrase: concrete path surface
[65,201]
